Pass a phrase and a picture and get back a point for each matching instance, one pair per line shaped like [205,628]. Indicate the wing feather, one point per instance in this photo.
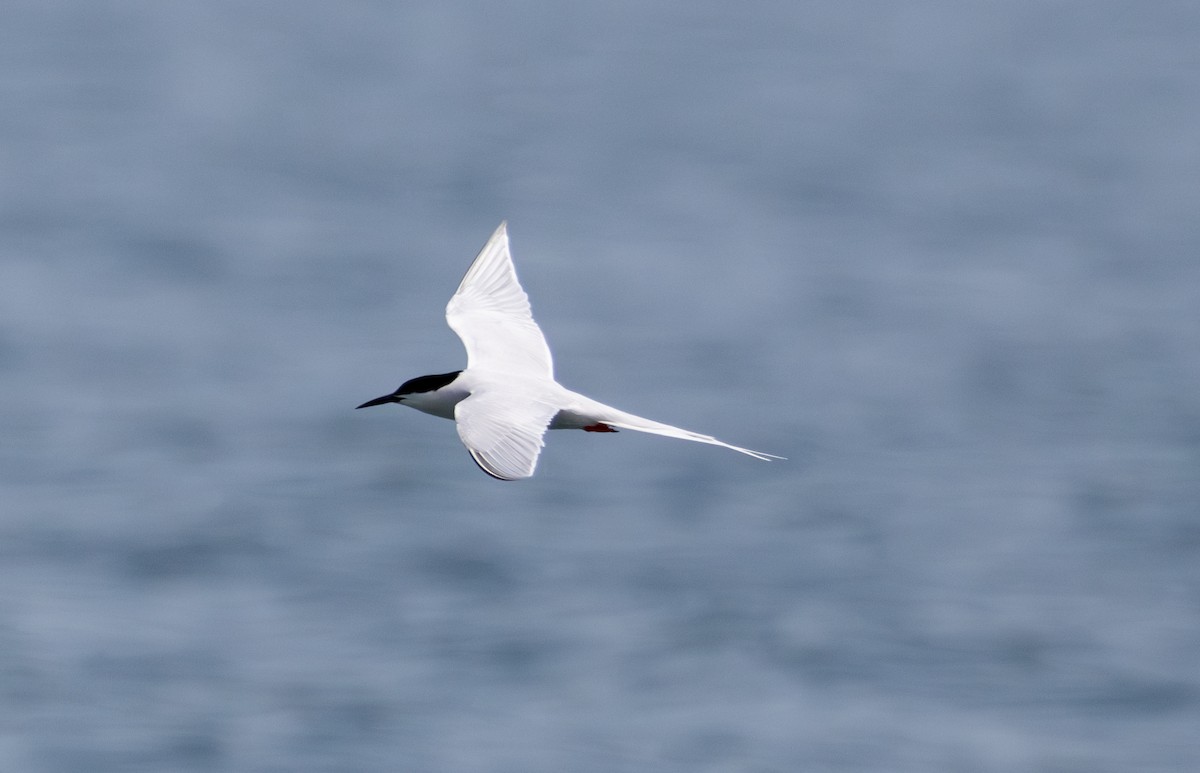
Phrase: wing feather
[503,431]
[490,312]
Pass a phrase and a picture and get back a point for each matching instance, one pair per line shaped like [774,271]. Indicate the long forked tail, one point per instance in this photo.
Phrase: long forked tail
[623,420]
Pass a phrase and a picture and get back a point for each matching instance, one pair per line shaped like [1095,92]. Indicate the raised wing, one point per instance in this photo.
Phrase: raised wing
[503,431]
[490,312]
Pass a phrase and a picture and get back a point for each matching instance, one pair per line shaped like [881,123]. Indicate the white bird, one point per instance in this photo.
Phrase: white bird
[507,397]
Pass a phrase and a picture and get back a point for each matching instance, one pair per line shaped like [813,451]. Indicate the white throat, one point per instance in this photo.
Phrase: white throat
[439,402]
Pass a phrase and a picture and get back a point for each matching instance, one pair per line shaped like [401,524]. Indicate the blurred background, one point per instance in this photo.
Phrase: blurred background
[943,256]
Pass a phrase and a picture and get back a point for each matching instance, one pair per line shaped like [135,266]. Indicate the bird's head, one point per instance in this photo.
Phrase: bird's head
[414,386]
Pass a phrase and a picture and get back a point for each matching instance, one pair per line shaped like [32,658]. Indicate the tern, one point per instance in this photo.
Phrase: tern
[506,398]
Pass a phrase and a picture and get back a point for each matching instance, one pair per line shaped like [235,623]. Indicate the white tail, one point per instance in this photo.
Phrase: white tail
[599,412]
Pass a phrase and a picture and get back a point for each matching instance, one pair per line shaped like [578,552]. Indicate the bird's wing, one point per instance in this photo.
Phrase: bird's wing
[503,431]
[491,314]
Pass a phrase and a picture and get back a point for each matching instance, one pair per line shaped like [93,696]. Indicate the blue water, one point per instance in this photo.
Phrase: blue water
[943,256]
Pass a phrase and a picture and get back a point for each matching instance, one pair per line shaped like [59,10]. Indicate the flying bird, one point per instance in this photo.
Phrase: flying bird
[507,397]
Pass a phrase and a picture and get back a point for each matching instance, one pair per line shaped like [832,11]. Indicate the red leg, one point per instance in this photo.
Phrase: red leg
[598,427]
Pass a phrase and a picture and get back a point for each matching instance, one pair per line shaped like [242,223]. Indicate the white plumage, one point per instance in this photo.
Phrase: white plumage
[507,397]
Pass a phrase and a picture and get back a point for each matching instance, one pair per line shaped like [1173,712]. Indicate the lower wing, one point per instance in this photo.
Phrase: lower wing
[503,431]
